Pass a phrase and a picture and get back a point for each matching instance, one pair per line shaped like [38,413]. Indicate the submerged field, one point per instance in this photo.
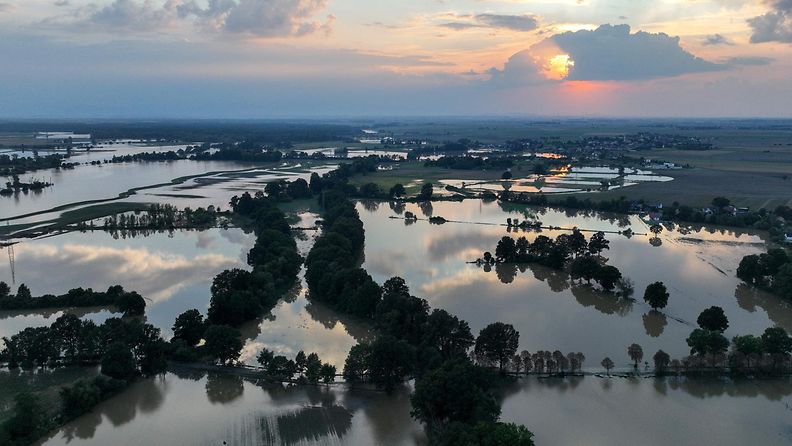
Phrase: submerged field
[174,270]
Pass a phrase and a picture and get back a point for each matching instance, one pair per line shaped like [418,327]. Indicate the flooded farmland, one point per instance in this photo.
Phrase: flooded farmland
[174,271]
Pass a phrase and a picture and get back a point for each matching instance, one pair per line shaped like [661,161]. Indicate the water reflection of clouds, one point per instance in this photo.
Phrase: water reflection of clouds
[156,275]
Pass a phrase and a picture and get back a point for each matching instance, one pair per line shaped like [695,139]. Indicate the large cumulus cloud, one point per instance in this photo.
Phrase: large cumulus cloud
[774,26]
[613,53]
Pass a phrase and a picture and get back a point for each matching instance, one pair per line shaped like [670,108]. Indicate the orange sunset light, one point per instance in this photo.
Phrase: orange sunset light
[558,66]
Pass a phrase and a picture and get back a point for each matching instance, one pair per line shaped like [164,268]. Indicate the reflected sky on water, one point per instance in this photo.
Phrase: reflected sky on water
[548,309]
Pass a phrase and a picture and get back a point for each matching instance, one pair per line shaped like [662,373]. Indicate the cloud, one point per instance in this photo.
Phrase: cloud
[774,26]
[520,70]
[748,61]
[521,23]
[257,18]
[5,7]
[611,53]
[717,39]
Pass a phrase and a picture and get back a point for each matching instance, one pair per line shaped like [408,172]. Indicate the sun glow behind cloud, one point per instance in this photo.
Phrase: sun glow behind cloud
[558,66]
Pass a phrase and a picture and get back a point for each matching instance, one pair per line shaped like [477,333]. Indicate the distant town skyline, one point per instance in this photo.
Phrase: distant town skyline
[333,58]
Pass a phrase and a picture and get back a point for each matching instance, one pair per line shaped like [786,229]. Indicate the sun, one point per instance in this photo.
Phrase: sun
[559,65]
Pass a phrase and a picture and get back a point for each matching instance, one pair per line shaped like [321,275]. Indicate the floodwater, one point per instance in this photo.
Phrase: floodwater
[214,183]
[174,272]
[544,305]
[198,408]
[195,408]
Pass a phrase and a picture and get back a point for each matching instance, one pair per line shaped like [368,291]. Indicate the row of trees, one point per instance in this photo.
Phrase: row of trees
[163,216]
[413,340]
[125,348]
[583,257]
[308,368]
[17,165]
[238,295]
[130,303]
[769,353]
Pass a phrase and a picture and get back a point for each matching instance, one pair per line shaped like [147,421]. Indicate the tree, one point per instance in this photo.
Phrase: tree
[656,229]
[720,202]
[748,345]
[282,368]
[713,319]
[608,276]
[264,357]
[23,292]
[488,434]
[661,361]
[298,188]
[118,362]
[356,363]
[457,391]
[28,422]
[702,342]
[448,334]
[131,304]
[776,341]
[426,192]
[189,327]
[67,329]
[506,251]
[607,363]
[585,268]
[397,190]
[5,290]
[598,243]
[782,281]
[223,343]
[497,342]
[313,368]
[301,361]
[636,353]
[656,295]
[328,373]
[750,270]
[390,361]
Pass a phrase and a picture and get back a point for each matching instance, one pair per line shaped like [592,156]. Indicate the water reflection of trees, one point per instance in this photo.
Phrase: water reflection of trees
[398,207]
[145,396]
[654,323]
[778,310]
[606,303]
[47,313]
[370,205]
[313,423]
[223,389]
[329,318]
[426,208]
[772,389]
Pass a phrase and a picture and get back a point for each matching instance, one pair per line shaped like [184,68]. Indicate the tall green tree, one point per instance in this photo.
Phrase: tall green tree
[656,295]
[497,343]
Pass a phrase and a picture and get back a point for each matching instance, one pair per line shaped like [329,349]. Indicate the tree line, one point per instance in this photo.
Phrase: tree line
[238,295]
[582,257]
[130,303]
[163,216]
[125,349]
[454,397]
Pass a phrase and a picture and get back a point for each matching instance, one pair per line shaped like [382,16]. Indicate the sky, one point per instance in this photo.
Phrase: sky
[356,58]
